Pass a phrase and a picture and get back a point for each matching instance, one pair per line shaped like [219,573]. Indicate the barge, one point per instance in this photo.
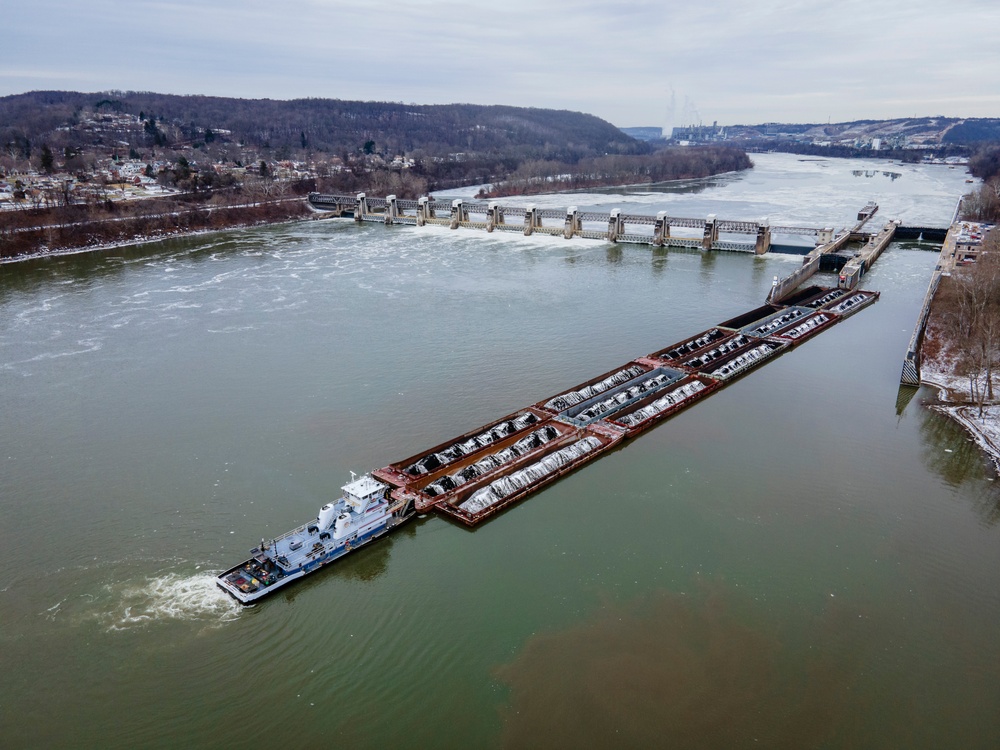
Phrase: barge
[478,474]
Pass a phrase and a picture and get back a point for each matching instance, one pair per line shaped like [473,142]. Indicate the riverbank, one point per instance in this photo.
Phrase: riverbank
[954,402]
[985,430]
[65,237]
[145,240]
[938,370]
[668,165]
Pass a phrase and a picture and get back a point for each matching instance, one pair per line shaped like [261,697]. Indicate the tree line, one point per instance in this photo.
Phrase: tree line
[967,312]
[544,176]
[223,150]
[78,226]
[325,125]
[984,204]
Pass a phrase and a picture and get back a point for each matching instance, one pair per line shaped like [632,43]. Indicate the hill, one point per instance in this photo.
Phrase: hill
[909,132]
[64,118]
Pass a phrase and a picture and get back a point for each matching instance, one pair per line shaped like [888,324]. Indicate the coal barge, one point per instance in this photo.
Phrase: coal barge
[478,474]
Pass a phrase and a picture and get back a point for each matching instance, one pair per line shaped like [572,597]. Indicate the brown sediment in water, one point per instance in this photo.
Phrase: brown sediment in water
[677,671]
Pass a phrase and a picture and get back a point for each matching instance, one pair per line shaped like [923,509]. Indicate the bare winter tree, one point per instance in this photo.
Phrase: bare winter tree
[984,204]
[975,320]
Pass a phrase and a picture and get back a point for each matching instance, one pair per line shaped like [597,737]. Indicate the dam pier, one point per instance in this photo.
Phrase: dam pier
[660,230]
[752,236]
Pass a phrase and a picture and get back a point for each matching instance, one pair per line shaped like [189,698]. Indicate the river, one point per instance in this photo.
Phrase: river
[805,559]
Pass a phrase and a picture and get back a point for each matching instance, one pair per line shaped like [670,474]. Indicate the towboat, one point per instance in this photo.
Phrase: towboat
[364,512]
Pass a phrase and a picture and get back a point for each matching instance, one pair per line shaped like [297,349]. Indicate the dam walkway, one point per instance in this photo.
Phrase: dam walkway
[660,230]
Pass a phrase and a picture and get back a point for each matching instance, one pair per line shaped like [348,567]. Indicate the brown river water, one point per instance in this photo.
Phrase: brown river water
[808,558]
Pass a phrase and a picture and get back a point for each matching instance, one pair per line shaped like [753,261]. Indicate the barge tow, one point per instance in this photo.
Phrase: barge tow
[477,475]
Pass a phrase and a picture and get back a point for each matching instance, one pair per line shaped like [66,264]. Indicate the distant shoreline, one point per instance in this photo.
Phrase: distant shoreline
[539,178]
[90,234]
[149,239]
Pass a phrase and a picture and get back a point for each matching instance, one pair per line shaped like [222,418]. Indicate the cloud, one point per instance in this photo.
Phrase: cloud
[770,60]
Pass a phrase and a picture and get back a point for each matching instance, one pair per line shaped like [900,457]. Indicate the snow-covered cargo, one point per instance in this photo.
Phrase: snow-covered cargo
[431,462]
[658,406]
[482,499]
[593,387]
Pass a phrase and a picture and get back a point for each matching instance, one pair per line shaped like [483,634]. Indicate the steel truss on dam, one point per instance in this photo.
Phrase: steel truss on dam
[710,233]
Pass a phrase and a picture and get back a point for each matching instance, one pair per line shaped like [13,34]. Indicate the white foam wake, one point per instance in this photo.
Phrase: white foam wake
[170,596]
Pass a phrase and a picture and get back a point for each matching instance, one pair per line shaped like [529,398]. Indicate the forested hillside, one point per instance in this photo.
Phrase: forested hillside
[326,125]
[539,176]
[86,170]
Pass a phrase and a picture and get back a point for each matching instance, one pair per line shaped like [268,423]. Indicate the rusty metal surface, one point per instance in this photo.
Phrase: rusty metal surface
[392,477]
[468,518]
[752,316]
[807,296]
[722,345]
[710,385]
[807,327]
[397,475]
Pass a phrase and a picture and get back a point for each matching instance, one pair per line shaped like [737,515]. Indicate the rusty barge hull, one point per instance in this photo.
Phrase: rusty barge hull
[482,472]
[633,420]
[457,506]
[434,461]
[450,484]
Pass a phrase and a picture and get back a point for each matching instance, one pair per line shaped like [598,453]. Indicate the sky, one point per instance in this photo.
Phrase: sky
[633,62]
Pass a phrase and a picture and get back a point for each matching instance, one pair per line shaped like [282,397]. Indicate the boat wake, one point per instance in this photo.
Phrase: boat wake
[169,597]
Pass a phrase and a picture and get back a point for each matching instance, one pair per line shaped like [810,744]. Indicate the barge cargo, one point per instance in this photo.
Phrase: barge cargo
[480,466]
[452,452]
[806,327]
[477,503]
[480,473]
[608,401]
[652,410]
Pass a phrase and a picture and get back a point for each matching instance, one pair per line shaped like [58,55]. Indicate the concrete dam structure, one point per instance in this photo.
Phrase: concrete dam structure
[660,230]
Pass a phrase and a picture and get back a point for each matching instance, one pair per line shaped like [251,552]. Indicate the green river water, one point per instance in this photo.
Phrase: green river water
[804,559]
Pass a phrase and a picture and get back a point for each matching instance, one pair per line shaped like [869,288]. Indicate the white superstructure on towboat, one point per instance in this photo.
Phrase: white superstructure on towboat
[363,513]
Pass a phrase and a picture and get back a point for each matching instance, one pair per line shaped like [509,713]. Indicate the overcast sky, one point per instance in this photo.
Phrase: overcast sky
[634,62]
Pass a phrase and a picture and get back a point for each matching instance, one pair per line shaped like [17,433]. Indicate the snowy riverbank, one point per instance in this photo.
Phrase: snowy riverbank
[953,394]
[148,238]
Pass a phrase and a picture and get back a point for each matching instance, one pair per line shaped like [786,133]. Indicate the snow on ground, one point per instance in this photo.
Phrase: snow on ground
[951,388]
[954,393]
[985,430]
